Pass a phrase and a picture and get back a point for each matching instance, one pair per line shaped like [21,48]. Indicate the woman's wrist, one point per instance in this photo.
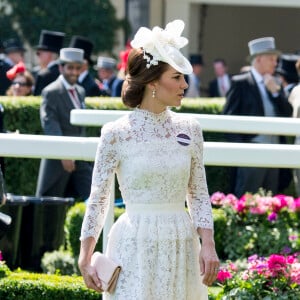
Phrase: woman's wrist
[206,236]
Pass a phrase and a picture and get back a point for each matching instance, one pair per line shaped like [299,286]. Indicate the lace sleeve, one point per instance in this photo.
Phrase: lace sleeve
[106,162]
[198,199]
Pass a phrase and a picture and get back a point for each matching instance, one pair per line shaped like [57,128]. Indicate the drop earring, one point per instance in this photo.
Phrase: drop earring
[153,93]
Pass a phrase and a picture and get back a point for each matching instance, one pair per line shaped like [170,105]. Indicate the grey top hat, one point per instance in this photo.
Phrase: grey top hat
[71,55]
[265,45]
[106,63]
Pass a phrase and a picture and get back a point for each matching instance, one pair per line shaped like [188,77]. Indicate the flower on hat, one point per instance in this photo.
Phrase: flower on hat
[163,45]
[123,59]
[18,68]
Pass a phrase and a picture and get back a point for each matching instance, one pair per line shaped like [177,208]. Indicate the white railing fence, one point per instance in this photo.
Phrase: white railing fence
[215,153]
[215,123]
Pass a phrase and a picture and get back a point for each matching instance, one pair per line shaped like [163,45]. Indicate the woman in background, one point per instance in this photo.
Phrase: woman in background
[21,85]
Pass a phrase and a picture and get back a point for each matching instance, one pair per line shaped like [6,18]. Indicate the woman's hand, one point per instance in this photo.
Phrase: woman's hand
[209,262]
[68,165]
[90,277]
[88,272]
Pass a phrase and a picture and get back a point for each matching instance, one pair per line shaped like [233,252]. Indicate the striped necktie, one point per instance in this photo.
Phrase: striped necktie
[74,98]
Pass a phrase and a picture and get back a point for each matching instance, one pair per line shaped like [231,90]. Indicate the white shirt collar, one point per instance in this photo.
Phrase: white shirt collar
[257,76]
[82,76]
[51,63]
[66,84]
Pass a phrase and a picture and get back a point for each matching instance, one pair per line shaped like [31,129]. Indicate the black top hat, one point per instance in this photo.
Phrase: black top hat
[13,45]
[85,44]
[196,59]
[51,41]
[287,67]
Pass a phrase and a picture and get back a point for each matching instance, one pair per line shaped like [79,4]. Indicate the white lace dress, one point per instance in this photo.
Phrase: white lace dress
[158,162]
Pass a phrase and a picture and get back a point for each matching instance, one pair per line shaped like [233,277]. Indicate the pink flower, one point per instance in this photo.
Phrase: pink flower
[240,205]
[293,237]
[223,275]
[291,259]
[245,275]
[272,216]
[284,201]
[295,273]
[252,258]
[297,204]
[277,264]
[232,267]
[1,256]
[230,200]
[217,198]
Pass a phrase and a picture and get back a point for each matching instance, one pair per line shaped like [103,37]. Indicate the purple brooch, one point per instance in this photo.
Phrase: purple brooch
[183,139]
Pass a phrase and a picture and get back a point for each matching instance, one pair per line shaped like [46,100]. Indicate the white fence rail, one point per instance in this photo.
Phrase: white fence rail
[215,153]
[216,123]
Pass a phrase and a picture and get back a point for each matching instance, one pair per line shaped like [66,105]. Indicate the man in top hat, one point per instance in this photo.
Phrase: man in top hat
[287,71]
[4,81]
[85,78]
[106,68]
[13,54]
[219,86]
[193,79]
[47,51]
[14,51]
[63,178]
[257,93]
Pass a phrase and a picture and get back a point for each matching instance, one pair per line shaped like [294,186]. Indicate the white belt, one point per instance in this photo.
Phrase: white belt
[154,207]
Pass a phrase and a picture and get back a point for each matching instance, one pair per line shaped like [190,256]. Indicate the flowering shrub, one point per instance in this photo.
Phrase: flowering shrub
[274,277]
[4,270]
[258,223]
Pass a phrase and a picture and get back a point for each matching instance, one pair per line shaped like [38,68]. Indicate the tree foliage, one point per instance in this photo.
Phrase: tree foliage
[94,19]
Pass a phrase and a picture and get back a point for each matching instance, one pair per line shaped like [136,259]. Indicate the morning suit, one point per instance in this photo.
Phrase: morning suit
[90,86]
[193,90]
[53,180]
[215,88]
[4,81]
[116,89]
[1,131]
[45,77]
[108,86]
[55,119]
[244,98]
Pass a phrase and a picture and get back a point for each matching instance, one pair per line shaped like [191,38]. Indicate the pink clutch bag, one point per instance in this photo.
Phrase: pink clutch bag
[107,270]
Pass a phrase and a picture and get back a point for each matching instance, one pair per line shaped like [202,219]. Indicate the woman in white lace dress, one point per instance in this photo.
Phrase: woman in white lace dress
[158,158]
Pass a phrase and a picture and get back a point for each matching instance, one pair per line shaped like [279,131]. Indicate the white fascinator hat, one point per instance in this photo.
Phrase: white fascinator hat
[164,45]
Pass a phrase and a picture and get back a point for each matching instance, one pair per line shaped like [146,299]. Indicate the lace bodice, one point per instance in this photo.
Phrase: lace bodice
[158,158]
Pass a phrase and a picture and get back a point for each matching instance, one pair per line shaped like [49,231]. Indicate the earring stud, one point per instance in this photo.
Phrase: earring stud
[153,93]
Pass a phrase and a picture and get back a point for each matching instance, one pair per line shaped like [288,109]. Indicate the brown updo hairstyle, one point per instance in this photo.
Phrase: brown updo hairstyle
[138,76]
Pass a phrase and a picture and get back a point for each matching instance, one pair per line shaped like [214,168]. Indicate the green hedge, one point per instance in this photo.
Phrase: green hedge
[22,114]
[32,286]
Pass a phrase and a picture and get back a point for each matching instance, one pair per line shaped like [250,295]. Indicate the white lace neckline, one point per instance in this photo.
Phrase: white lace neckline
[152,117]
